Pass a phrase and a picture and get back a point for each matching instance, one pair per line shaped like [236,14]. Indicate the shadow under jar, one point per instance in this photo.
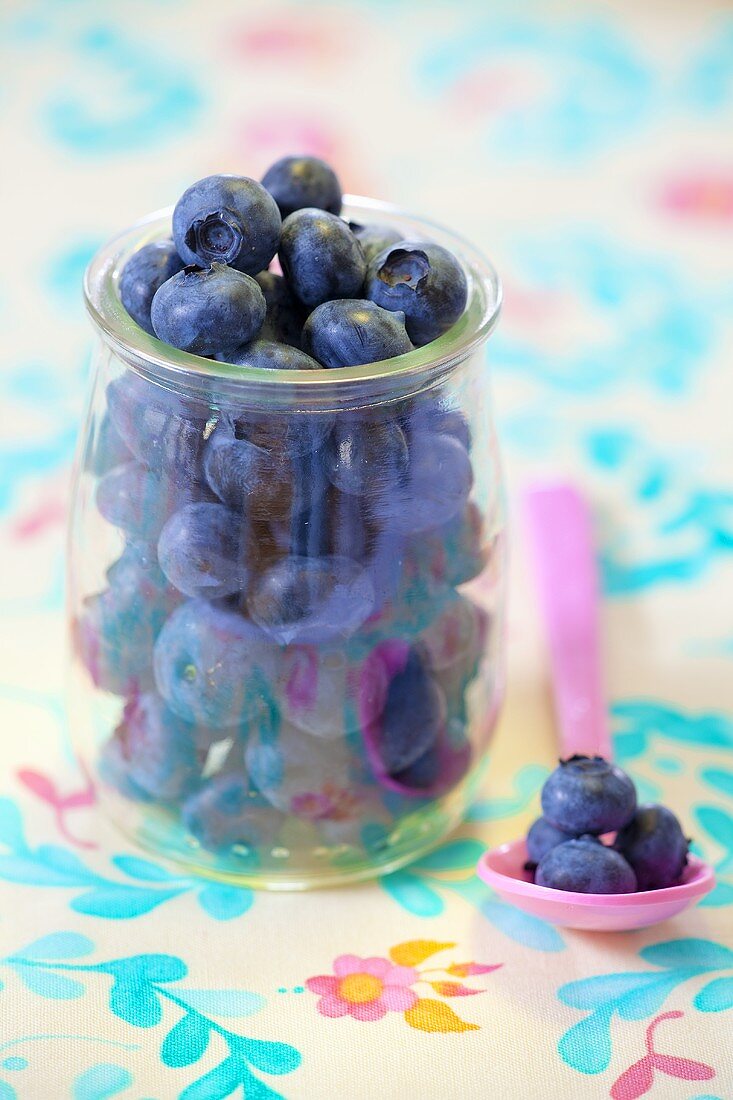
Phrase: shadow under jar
[314,704]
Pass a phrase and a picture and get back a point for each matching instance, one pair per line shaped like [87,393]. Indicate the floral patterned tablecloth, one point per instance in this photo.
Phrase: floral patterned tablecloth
[586,147]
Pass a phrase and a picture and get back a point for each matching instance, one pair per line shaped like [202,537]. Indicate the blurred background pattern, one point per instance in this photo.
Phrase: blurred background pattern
[585,146]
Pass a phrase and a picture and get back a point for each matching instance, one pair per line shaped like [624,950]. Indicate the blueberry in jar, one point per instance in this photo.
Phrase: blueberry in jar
[208,311]
[202,551]
[285,315]
[297,182]
[143,274]
[311,600]
[320,257]
[374,238]
[269,355]
[211,665]
[422,280]
[228,220]
[351,331]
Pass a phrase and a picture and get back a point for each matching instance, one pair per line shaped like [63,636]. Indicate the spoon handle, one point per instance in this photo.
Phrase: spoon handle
[562,538]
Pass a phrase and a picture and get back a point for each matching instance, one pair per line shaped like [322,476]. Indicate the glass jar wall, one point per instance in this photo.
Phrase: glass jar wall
[286,593]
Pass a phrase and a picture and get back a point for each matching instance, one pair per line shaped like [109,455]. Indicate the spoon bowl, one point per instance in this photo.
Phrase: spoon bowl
[503,869]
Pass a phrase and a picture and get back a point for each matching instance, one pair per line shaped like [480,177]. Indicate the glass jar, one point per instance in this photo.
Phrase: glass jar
[286,592]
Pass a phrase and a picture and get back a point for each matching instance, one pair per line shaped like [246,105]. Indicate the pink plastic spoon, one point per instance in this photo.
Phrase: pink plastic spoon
[568,584]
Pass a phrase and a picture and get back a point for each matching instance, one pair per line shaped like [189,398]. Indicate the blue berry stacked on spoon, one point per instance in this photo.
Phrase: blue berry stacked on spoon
[587,798]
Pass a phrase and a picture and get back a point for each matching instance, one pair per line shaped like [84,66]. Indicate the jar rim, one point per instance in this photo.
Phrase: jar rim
[159,360]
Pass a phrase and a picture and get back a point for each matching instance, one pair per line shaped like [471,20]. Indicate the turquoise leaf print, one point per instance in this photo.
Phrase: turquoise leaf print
[660,343]
[599,88]
[411,891]
[58,945]
[718,778]
[689,952]
[186,1042]
[153,97]
[639,722]
[225,902]
[144,991]
[52,866]
[587,1045]
[48,984]
[101,1081]
[419,889]
[683,524]
[717,996]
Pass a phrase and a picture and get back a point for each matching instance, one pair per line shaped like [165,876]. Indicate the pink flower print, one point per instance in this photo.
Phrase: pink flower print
[366,989]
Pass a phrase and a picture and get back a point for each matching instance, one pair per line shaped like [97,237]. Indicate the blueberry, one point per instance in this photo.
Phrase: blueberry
[134,499]
[437,416]
[227,219]
[366,456]
[285,315]
[107,450]
[163,430]
[316,685]
[115,633]
[208,311]
[268,355]
[211,665]
[543,836]
[413,715]
[164,754]
[449,555]
[247,478]
[140,502]
[655,846]
[250,478]
[114,770]
[297,182]
[454,640]
[202,551]
[309,510]
[137,569]
[440,480]
[284,434]
[320,257]
[422,280]
[302,775]
[585,866]
[146,271]
[311,600]
[587,794]
[351,331]
[374,238]
[349,532]
[304,433]
[386,567]
[422,773]
[226,811]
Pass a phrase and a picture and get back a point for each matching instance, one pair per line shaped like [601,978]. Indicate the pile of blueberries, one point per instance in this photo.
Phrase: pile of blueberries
[282,624]
[348,294]
[584,799]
